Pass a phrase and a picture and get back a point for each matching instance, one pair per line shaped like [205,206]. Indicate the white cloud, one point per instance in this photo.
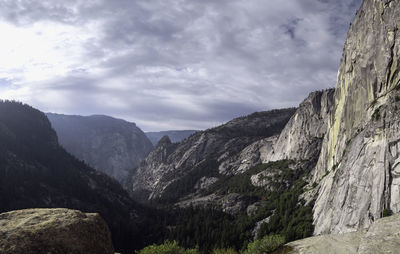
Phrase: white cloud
[170,64]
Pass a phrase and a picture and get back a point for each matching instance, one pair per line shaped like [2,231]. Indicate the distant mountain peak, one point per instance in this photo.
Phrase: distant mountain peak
[108,144]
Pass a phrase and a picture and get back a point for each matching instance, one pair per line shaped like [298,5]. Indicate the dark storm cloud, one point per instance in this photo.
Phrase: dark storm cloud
[191,64]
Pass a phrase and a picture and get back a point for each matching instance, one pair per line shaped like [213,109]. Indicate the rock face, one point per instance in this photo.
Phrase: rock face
[301,139]
[202,154]
[110,145]
[175,136]
[383,236]
[57,231]
[358,169]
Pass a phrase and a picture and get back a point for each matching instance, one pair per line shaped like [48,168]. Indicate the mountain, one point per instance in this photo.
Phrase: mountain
[336,158]
[358,169]
[252,173]
[174,136]
[330,166]
[202,157]
[113,146]
[35,171]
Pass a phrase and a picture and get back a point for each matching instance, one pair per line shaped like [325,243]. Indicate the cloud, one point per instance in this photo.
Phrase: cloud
[172,64]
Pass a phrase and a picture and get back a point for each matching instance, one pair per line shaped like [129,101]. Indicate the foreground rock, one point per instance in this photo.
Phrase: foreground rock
[383,236]
[55,231]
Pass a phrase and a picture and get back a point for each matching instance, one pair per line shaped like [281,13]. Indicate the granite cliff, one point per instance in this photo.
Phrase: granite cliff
[301,139]
[349,136]
[113,146]
[358,169]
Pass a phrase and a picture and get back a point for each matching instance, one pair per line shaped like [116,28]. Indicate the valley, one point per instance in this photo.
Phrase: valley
[290,180]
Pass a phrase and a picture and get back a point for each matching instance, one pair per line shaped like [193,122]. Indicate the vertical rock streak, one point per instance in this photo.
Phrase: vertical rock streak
[357,167]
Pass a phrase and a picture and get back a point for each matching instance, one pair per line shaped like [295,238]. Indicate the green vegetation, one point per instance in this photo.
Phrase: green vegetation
[265,245]
[186,184]
[376,115]
[214,231]
[206,228]
[387,212]
[224,251]
[241,183]
[167,248]
[290,219]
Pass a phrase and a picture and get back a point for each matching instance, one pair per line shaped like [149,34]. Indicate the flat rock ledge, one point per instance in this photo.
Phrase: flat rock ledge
[55,231]
[383,236]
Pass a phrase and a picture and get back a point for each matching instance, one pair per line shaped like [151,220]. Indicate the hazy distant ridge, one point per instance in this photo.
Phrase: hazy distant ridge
[174,136]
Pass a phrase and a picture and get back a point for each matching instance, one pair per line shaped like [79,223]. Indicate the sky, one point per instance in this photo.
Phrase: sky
[170,64]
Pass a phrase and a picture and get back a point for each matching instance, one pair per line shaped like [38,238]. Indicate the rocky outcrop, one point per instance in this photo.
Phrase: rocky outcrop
[251,155]
[175,136]
[234,203]
[383,236]
[358,168]
[57,231]
[151,171]
[174,169]
[256,230]
[113,146]
[301,139]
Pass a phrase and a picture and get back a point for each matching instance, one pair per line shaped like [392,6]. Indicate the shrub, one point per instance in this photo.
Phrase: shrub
[224,251]
[265,245]
[376,115]
[167,248]
[386,212]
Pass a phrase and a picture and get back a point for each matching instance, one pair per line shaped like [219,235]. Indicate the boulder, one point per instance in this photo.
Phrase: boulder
[383,236]
[56,231]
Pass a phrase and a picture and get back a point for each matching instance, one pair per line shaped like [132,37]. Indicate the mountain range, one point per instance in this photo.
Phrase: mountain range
[35,171]
[331,165]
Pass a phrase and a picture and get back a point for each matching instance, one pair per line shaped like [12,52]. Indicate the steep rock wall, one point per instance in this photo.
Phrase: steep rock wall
[358,166]
[301,139]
